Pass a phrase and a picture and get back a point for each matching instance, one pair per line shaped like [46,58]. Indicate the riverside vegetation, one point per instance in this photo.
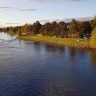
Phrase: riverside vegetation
[75,33]
[66,41]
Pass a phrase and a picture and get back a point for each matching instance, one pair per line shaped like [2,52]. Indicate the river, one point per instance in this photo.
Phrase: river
[30,68]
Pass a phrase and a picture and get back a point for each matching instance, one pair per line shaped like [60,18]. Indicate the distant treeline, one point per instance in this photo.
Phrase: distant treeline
[61,29]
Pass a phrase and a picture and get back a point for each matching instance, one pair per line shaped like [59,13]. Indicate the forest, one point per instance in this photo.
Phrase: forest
[74,29]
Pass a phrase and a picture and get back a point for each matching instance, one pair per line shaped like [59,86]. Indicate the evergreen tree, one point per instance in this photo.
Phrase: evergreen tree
[84,28]
[36,27]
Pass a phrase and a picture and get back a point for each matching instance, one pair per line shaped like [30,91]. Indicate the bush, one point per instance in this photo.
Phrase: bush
[93,39]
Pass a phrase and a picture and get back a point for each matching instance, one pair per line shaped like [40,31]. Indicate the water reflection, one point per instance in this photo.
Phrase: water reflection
[54,47]
[5,36]
[93,58]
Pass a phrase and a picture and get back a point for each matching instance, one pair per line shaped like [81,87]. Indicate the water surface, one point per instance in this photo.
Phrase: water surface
[30,68]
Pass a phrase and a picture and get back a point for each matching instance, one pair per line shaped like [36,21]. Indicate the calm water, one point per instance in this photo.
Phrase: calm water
[30,68]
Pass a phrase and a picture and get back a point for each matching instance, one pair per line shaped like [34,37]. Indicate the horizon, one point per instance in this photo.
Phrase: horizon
[17,13]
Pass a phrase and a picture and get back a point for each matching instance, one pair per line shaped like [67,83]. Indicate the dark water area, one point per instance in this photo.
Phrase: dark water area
[30,68]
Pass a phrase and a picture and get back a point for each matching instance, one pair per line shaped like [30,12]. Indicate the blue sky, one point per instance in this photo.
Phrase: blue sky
[19,12]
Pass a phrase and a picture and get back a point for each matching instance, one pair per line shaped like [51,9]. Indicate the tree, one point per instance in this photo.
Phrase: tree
[73,29]
[93,39]
[11,31]
[93,22]
[26,29]
[36,27]
[53,28]
[84,28]
[62,29]
[19,32]
[46,29]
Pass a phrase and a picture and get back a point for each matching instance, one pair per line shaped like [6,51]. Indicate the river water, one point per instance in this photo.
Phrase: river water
[30,68]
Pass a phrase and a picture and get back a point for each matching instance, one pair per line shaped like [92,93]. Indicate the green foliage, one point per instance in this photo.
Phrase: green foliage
[62,29]
[36,27]
[31,29]
[93,39]
[19,32]
[93,22]
[85,27]
[11,32]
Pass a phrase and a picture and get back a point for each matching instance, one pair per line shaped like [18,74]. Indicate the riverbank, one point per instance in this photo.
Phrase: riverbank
[84,43]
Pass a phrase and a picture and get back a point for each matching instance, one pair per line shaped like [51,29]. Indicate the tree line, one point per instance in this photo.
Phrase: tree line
[74,29]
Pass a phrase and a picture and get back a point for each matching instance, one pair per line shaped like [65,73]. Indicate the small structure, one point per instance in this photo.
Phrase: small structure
[79,40]
[23,33]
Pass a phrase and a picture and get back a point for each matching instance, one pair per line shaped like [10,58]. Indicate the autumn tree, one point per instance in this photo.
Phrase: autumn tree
[93,39]
[26,29]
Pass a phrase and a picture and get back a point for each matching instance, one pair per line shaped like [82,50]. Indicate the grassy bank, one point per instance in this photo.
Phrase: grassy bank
[66,41]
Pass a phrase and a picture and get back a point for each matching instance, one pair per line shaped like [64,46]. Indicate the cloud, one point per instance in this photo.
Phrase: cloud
[6,24]
[51,0]
[26,9]
[39,0]
[13,23]
[67,19]
[7,7]
[1,22]
[4,9]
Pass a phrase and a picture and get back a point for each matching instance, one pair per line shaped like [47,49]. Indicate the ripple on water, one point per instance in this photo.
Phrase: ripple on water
[30,68]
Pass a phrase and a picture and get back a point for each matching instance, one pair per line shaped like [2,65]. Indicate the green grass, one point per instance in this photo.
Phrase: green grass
[67,41]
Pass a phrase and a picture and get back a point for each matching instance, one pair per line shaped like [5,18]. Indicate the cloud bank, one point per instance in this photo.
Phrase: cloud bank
[6,1]
[13,23]
[52,0]
[68,19]
[4,9]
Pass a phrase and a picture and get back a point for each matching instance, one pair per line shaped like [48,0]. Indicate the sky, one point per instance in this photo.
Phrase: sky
[19,12]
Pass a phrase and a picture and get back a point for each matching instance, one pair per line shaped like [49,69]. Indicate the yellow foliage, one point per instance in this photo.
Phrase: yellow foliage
[93,39]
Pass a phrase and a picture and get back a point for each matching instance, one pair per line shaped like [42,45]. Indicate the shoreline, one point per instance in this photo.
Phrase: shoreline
[78,44]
